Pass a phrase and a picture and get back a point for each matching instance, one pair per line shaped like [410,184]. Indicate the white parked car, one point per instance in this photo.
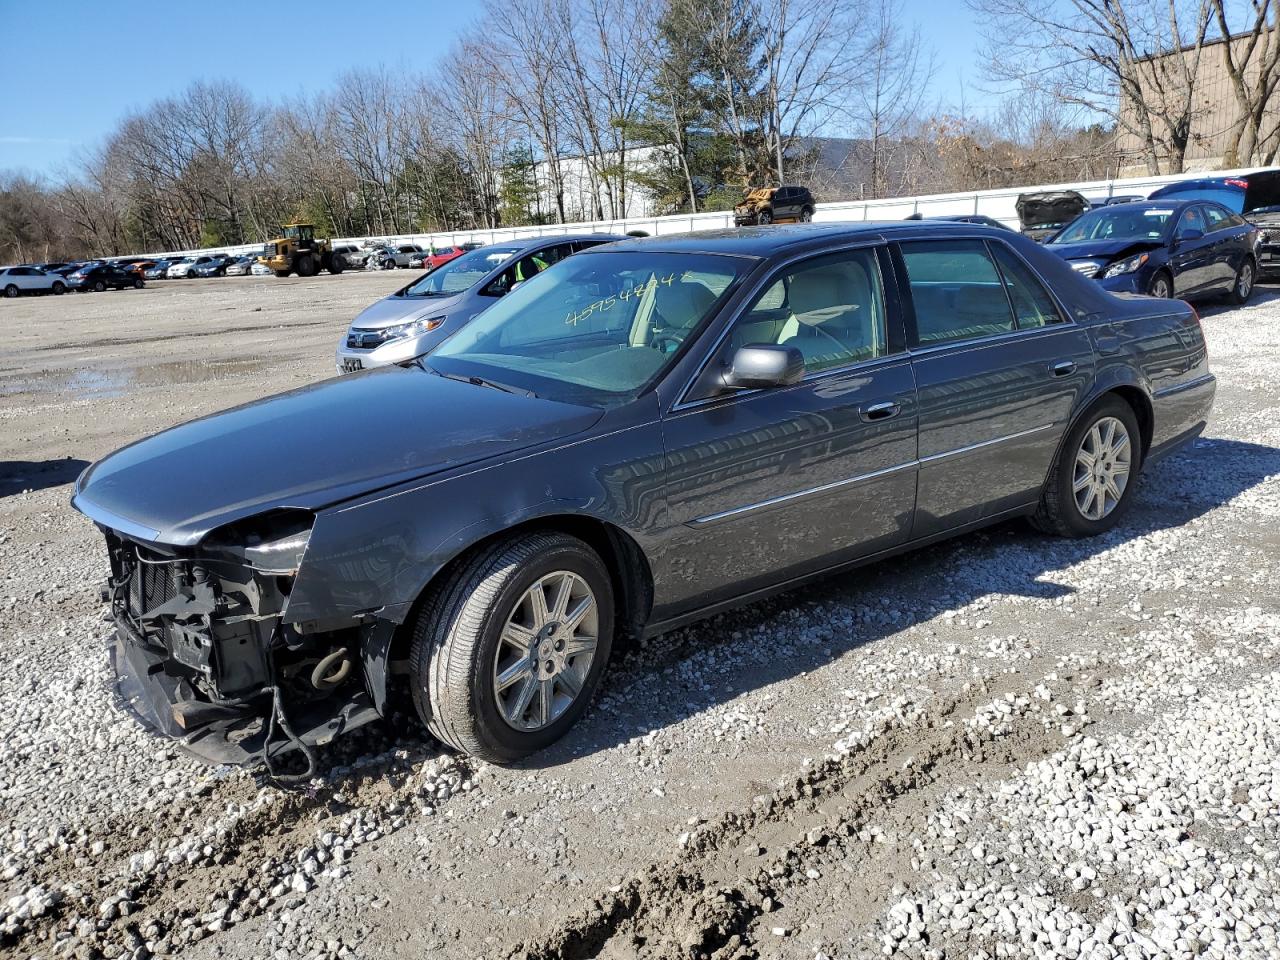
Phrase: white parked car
[354,257]
[390,257]
[16,280]
[240,266]
[260,269]
[182,269]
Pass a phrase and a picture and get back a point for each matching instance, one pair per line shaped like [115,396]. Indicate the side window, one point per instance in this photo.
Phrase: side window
[1032,305]
[1219,219]
[1191,219]
[830,309]
[957,291]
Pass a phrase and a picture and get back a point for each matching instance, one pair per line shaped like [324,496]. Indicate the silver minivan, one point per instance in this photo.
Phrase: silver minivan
[415,319]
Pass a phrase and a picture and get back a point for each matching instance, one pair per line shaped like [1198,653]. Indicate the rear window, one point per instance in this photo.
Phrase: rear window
[957,291]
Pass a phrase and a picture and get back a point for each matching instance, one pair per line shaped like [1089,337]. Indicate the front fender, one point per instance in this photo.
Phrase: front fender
[375,555]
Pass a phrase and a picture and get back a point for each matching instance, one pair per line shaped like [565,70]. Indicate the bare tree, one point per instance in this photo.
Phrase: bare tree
[1106,56]
[1252,62]
[898,73]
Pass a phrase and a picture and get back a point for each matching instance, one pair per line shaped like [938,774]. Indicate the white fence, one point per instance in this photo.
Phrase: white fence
[999,204]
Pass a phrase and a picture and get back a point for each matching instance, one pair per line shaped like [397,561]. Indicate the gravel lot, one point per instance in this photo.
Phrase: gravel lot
[1004,746]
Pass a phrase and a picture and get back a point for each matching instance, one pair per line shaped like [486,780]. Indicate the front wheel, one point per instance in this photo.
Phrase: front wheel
[1242,289]
[1161,286]
[137,283]
[99,286]
[388,264]
[765,217]
[59,288]
[1092,481]
[509,649]
[11,291]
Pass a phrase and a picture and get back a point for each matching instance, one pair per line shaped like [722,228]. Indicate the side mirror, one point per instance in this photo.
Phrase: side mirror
[1188,235]
[760,366]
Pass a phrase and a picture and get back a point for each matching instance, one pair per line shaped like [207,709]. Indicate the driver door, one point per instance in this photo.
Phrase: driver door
[1192,253]
[770,484]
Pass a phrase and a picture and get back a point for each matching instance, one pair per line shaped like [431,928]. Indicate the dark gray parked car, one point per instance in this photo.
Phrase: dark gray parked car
[653,431]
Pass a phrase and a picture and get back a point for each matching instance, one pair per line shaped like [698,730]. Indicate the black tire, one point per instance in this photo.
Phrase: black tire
[137,283]
[1246,279]
[99,286]
[336,264]
[1058,512]
[765,217]
[282,273]
[305,266]
[11,291]
[456,643]
[59,288]
[388,264]
[806,215]
[1161,285]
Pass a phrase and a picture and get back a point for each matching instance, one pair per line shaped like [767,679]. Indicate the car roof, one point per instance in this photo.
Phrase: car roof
[766,241]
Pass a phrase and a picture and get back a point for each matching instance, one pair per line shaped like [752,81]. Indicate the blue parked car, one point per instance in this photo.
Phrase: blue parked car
[1171,248]
[1255,196]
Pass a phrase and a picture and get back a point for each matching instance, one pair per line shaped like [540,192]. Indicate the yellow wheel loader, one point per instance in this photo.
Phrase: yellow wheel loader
[298,251]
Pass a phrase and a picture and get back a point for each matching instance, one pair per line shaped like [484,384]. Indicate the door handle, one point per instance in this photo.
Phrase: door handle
[880,411]
[1063,368]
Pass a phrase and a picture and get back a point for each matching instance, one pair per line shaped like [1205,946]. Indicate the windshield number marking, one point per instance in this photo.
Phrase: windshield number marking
[573,318]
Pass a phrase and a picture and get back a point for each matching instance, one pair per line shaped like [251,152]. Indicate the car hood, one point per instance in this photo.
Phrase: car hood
[1101,249]
[390,311]
[311,448]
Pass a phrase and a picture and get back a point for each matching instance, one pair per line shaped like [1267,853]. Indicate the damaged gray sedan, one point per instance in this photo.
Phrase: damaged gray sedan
[645,434]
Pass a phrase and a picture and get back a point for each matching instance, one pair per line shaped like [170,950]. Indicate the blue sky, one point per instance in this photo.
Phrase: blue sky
[69,72]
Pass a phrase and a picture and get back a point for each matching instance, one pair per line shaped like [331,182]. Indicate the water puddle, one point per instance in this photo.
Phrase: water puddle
[88,383]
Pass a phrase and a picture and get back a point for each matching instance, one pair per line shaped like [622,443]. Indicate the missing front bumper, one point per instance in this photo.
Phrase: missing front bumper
[222,733]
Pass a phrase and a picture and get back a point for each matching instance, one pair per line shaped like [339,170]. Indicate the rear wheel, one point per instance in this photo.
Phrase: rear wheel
[99,286]
[1091,484]
[388,264]
[1242,289]
[1161,286]
[59,288]
[336,263]
[11,291]
[137,283]
[509,649]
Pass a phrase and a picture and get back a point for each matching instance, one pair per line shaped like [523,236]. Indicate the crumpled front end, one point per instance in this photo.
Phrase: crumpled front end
[203,654]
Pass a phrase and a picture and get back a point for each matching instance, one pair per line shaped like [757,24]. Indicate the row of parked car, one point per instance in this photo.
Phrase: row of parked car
[98,275]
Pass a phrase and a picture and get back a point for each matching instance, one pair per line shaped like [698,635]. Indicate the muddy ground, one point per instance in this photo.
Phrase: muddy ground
[1006,745]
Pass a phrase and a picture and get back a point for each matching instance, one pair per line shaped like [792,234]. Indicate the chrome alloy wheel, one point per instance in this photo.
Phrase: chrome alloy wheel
[1102,468]
[545,651]
[1244,283]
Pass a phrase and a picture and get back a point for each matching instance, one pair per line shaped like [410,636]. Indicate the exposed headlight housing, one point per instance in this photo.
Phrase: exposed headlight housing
[272,544]
[413,328]
[1127,265]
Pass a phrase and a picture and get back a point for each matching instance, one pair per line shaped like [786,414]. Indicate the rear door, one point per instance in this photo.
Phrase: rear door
[775,483]
[998,370]
[1230,245]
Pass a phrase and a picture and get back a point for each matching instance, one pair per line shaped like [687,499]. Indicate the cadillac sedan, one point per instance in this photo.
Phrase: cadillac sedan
[649,433]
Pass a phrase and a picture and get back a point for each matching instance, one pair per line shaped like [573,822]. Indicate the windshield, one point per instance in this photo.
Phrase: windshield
[1120,222]
[461,273]
[596,329]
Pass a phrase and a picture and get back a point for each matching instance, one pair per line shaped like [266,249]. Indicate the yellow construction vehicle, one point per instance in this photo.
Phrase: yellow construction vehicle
[298,251]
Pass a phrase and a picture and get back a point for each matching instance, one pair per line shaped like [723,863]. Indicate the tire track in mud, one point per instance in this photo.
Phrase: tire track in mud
[733,872]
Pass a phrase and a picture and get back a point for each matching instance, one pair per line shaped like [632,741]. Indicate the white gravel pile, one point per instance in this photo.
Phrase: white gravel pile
[1158,844]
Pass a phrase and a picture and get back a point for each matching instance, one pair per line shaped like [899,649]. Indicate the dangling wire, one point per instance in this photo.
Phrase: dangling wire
[278,715]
